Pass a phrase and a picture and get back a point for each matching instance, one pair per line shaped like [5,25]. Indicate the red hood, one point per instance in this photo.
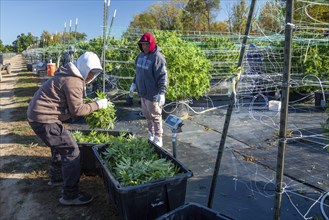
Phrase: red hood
[148,37]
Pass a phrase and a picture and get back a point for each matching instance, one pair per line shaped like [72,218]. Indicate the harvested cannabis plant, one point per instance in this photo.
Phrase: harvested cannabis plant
[102,118]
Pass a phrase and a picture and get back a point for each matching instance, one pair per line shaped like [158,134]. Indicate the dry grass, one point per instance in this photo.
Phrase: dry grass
[289,133]
[250,158]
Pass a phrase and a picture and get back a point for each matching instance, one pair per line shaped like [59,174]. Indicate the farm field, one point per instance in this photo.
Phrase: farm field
[245,187]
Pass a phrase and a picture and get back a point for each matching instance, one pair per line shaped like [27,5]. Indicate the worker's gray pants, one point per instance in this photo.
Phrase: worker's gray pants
[65,155]
[153,114]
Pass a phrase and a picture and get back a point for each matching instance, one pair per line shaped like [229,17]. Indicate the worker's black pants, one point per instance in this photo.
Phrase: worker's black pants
[65,155]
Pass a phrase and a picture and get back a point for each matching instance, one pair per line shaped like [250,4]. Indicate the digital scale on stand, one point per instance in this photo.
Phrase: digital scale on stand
[175,124]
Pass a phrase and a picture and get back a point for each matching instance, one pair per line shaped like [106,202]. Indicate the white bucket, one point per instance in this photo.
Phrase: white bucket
[274,105]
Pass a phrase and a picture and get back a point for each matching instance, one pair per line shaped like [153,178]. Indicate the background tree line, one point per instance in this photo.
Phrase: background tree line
[26,41]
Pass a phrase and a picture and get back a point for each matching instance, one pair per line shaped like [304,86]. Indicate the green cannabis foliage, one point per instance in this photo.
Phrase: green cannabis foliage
[93,137]
[133,161]
[102,118]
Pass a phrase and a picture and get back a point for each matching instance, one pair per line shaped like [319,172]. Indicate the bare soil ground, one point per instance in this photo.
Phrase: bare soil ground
[24,163]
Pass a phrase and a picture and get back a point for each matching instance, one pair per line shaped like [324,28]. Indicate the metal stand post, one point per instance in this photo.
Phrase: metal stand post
[174,139]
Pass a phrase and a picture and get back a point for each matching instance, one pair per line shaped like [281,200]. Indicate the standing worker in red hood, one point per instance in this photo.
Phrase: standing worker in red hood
[151,82]
[58,99]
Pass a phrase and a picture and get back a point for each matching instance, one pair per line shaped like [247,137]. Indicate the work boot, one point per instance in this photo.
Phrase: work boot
[81,199]
[150,136]
[55,183]
[157,140]
[55,180]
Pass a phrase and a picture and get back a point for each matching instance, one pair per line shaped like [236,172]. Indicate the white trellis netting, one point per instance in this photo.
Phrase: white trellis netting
[263,63]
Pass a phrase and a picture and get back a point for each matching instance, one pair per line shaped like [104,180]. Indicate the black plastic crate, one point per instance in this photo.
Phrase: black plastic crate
[193,211]
[88,162]
[145,201]
[318,98]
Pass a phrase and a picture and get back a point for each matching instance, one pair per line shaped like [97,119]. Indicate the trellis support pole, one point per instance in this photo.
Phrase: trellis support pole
[284,108]
[230,107]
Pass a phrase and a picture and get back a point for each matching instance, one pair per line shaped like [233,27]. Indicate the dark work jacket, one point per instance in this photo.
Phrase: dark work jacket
[151,74]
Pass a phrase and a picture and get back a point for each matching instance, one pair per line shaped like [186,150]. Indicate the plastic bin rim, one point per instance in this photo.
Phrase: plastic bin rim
[110,132]
[106,131]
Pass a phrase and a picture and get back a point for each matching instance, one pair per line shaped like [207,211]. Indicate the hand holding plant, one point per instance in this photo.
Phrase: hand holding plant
[102,103]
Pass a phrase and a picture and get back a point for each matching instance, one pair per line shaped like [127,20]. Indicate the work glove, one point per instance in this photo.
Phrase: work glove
[160,98]
[131,90]
[102,103]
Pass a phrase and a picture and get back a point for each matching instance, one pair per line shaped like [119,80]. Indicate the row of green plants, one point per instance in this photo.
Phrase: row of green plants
[194,61]
[132,160]
[312,59]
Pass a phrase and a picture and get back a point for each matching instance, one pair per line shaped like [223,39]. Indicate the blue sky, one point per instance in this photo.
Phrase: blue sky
[23,16]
